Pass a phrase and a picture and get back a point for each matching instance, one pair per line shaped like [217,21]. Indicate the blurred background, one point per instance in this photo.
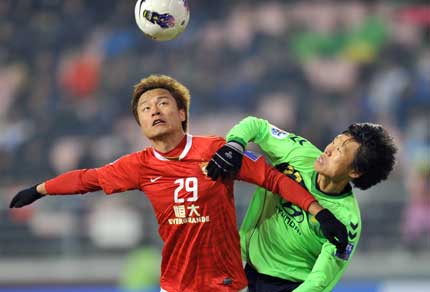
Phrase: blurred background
[67,70]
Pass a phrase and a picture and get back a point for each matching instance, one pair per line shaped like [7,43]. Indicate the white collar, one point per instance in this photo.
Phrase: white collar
[184,152]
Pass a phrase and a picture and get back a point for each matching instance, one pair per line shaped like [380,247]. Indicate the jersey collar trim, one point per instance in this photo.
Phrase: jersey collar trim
[315,190]
[183,154]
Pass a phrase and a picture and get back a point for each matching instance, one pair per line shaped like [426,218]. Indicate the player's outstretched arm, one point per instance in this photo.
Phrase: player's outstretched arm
[118,176]
[73,182]
[27,196]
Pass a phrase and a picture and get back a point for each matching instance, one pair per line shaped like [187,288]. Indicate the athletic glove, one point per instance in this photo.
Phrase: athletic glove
[333,229]
[226,162]
[25,197]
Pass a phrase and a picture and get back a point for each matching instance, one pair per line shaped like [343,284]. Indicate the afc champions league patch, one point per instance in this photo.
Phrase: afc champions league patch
[278,133]
[251,155]
[347,253]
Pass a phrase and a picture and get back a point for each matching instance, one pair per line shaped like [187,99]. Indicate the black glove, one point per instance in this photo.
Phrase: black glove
[25,197]
[333,229]
[226,162]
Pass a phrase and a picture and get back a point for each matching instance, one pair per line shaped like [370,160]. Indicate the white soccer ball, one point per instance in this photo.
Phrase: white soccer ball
[162,20]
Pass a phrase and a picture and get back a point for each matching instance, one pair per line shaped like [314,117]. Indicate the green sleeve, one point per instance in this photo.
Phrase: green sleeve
[327,270]
[248,130]
[279,145]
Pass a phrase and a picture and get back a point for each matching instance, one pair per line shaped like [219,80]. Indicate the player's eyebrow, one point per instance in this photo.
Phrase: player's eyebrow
[143,101]
[348,139]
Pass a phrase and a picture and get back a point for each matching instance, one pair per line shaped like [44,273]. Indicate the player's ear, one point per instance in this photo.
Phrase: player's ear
[182,115]
[353,174]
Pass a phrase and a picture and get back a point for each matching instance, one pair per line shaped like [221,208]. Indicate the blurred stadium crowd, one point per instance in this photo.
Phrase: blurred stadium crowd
[67,69]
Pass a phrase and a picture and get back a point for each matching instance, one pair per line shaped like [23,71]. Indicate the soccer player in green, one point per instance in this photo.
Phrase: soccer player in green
[283,245]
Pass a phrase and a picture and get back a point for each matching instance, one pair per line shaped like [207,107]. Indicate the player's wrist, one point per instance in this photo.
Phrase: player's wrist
[41,189]
[238,140]
[324,215]
[236,146]
[315,208]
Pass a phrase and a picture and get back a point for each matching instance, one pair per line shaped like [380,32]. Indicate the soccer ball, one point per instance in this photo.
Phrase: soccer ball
[162,20]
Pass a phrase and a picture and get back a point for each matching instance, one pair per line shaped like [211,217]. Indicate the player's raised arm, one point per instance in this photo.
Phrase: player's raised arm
[270,138]
[257,171]
[277,144]
[227,161]
[119,176]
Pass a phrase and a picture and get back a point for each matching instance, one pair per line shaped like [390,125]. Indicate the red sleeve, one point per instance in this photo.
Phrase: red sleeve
[121,175]
[260,173]
[73,182]
[118,176]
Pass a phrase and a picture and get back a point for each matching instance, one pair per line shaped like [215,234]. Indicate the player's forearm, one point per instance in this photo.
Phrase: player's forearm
[73,182]
[291,191]
[326,272]
[317,286]
[321,283]
[260,173]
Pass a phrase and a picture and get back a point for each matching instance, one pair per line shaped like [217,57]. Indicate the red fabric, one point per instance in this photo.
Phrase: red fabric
[260,173]
[196,216]
[73,182]
[201,250]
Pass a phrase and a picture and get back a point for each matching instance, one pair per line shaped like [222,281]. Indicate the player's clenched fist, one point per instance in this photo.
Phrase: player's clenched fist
[25,197]
[333,229]
[226,162]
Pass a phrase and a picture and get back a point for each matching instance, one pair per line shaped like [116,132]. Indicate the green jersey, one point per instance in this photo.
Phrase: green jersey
[278,238]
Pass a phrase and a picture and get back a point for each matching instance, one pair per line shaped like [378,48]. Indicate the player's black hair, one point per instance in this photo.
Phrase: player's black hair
[375,157]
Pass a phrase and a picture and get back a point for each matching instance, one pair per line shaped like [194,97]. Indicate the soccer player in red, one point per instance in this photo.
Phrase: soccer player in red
[196,215]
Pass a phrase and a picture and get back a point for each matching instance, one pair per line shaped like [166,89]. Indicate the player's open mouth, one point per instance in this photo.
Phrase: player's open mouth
[158,122]
[320,160]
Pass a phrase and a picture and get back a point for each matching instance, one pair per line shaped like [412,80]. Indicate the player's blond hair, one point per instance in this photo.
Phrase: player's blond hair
[179,92]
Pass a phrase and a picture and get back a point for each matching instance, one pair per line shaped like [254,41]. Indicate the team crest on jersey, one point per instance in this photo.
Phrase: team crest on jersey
[347,253]
[289,171]
[251,155]
[278,133]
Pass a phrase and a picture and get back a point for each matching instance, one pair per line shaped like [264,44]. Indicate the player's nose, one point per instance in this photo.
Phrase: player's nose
[155,111]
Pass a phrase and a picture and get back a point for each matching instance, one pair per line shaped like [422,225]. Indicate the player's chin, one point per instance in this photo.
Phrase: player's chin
[158,133]
[320,169]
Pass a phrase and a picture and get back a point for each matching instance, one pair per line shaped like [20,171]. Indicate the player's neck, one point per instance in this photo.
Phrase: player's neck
[329,186]
[166,143]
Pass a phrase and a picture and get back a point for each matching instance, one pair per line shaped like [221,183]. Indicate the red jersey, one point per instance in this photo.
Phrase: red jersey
[196,215]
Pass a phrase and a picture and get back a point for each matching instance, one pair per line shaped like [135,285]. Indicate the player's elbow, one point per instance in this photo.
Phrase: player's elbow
[320,282]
